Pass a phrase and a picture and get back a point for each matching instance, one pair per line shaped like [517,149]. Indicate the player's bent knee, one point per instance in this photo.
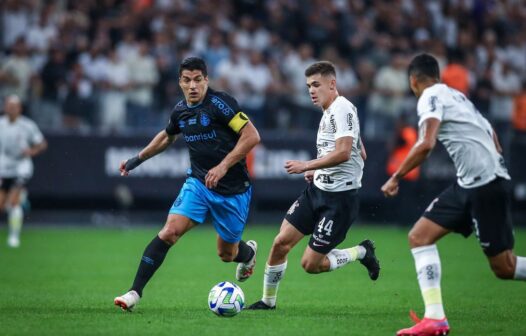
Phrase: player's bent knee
[503,272]
[418,239]
[170,235]
[310,267]
[281,247]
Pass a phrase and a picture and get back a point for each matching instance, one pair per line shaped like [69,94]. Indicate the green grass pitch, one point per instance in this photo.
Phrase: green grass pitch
[63,281]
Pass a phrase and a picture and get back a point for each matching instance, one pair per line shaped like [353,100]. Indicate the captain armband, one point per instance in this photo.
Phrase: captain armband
[237,123]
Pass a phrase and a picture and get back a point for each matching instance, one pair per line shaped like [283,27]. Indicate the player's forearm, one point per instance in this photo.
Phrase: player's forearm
[415,158]
[37,149]
[245,144]
[158,144]
[332,159]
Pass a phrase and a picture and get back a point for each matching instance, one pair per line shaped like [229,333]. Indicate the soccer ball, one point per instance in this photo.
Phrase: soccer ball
[226,299]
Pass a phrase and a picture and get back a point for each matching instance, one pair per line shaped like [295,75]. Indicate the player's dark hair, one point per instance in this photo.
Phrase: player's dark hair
[424,66]
[193,63]
[324,68]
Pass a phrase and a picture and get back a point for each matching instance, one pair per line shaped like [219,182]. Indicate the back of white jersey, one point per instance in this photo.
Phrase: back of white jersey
[339,120]
[15,138]
[465,133]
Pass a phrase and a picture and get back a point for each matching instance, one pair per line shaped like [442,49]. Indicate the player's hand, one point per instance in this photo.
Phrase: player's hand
[295,167]
[309,176]
[214,175]
[127,165]
[390,188]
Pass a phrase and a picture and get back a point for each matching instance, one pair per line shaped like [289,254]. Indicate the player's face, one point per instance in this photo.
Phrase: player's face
[321,90]
[13,108]
[194,86]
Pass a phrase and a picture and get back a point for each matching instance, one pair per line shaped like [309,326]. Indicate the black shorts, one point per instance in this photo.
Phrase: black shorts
[327,216]
[7,183]
[485,210]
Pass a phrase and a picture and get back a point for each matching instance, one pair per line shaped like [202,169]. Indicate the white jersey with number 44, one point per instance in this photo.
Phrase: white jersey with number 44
[339,120]
[465,133]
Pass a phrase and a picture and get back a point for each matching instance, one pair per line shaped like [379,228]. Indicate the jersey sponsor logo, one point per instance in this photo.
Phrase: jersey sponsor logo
[222,106]
[332,124]
[200,136]
[349,121]
[204,120]
[316,244]
[192,121]
[324,178]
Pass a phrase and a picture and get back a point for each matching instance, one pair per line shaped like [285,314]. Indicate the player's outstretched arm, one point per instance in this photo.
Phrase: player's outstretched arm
[417,155]
[36,149]
[341,153]
[158,144]
[248,139]
[363,152]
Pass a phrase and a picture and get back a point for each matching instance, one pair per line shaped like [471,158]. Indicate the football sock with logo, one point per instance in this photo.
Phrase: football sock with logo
[340,258]
[271,279]
[520,269]
[427,262]
[244,253]
[152,258]
[15,219]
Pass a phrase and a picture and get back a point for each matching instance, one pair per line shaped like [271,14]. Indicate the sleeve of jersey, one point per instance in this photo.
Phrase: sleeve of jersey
[36,136]
[429,106]
[173,127]
[346,121]
[229,111]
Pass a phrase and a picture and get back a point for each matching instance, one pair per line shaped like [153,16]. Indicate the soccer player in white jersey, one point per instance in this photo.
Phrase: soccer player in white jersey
[329,205]
[20,140]
[478,201]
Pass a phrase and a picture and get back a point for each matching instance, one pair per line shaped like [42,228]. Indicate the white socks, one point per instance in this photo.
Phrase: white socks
[520,269]
[428,269]
[340,258]
[15,217]
[273,275]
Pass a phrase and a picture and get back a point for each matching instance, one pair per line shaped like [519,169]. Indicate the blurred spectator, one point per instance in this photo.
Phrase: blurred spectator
[455,74]
[143,77]
[54,73]
[16,17]
[113,98]
[387,99]
[79,105]
[15,72]
[506,84]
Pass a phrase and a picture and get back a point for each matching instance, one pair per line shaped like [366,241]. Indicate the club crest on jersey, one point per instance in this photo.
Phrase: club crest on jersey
[181,123]
[204,120]
[293,208]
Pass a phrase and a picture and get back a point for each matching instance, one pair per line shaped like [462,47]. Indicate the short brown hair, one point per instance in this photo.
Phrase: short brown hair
[324,68]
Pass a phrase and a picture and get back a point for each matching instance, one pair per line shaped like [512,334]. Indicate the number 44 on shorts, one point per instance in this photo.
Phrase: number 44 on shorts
[327,227]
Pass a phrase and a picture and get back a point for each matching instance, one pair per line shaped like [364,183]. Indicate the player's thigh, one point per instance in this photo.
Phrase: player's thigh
[336,211]
[449,212]
[426,232]
[288,236]
[175,227]
[491,215]
[191,201]
[229,214]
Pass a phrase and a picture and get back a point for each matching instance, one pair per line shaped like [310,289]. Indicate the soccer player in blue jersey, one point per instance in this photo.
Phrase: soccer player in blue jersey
[218,136]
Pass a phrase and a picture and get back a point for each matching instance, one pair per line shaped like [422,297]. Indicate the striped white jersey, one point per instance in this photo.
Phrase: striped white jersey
[339,120]
[15,138]
[465,133]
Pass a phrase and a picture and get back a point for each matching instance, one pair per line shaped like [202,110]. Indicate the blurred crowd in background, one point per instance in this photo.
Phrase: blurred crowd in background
[110,66]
